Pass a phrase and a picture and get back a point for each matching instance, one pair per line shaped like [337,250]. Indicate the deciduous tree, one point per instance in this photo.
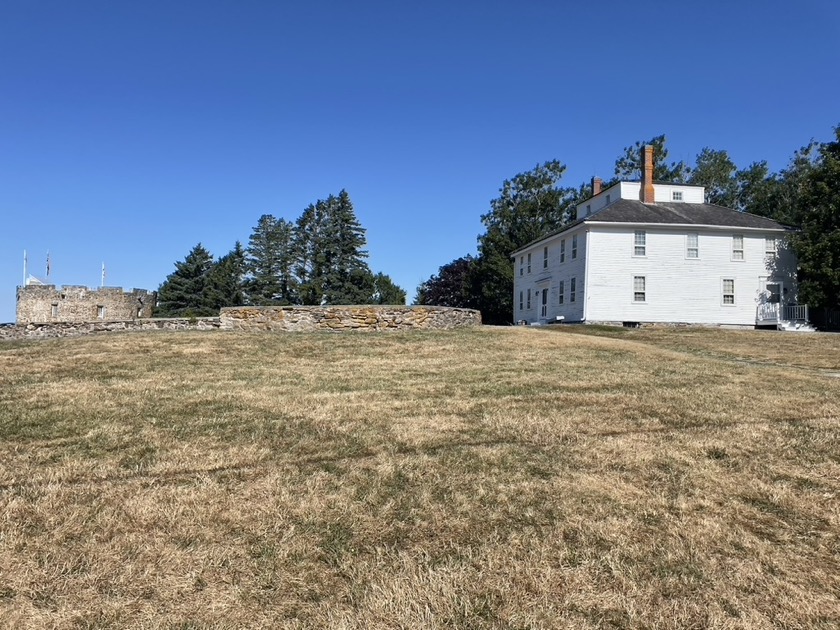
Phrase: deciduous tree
[629,165]
[450,286]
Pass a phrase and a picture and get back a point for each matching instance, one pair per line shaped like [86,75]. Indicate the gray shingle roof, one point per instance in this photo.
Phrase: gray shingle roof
[633,211]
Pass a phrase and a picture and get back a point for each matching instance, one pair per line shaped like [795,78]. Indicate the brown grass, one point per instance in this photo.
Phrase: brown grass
[493,478]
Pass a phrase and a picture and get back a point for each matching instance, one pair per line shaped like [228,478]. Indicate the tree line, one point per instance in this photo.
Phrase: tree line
[318,259]
[804,195]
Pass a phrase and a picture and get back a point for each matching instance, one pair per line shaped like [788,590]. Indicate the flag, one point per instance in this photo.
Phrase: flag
[103,274]
[48,264]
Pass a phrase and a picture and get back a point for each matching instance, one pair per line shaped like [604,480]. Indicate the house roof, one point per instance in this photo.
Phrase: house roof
[632,211]
[680,213]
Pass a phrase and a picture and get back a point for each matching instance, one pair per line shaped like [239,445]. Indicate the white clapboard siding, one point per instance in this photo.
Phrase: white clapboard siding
[678,288]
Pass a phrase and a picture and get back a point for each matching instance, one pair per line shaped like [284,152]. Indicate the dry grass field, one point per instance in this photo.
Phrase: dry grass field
[491,478]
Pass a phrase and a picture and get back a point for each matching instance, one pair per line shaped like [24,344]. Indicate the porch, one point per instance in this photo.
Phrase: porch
[783,317]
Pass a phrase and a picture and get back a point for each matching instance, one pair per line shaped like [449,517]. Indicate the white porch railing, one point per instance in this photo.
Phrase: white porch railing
[775,312]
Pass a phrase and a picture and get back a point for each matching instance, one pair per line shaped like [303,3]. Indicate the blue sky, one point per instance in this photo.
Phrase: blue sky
[130,131]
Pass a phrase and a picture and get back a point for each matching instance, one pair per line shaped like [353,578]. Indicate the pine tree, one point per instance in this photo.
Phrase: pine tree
[385,291]
[269,263]
[225,285]
[329,254]
[184,293]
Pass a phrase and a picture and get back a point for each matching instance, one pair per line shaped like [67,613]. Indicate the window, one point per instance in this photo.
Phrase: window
[588,209]
[562,290]
[574,247]
[572,292]
[529,263]
[639,243]
[55,310]
[563,250]
[692,246]
[521,265]
[528,302]
[545,257]
[770,246]
[608,200]
[639,293]
[676,195]
[737,247]
[728,297]
[100,312]
[520,300]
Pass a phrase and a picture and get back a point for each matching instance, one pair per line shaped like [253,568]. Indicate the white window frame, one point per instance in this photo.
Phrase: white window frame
[738,248]
[563,250]
[528,302]
[521,302]
[522,265]
[545,257]
[572,290]
[724,293]
[544,303]
[562,291]
[639,243]
[692,252]
[101,311]
[529,262]
[771,245]
[574,246]
[676,195]
[639,289]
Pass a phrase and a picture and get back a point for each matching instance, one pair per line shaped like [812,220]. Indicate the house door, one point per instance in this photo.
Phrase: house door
[544,306]
[773,292]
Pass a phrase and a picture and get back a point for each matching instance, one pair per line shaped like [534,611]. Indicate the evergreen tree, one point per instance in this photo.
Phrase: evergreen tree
[184,292]
[329,254]
[269,263]
[385,291]
[225,284]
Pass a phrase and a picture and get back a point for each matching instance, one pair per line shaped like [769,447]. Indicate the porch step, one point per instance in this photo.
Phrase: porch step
[796,326]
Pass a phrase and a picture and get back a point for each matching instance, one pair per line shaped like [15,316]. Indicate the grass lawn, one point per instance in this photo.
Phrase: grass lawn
[561,477]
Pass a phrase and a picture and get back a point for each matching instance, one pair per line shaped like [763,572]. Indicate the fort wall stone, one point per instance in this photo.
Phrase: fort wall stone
[71,329]
[48,303]
[363,318]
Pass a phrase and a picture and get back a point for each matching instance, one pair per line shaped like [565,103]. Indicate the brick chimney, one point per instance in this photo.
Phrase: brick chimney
[597,182]
[646,191]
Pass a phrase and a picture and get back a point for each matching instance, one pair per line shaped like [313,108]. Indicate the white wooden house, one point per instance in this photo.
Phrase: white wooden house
[648,252]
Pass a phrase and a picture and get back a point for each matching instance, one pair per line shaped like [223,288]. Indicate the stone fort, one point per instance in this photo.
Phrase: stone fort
[47,303]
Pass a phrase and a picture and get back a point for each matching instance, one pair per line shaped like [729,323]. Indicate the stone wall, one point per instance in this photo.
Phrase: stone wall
[43,303]
[69,329]
[346,318]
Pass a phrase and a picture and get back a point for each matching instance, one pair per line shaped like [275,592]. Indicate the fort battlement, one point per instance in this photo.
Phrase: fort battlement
[48,303]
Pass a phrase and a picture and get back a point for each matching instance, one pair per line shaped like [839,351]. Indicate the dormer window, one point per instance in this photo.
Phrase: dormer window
[676,195]
[588,209]
[608,200]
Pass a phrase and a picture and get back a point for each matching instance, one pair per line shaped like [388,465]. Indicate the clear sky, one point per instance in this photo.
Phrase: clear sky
[130,131]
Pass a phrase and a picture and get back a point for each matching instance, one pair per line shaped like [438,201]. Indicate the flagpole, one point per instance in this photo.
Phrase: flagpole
[24,268]
[103,274]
